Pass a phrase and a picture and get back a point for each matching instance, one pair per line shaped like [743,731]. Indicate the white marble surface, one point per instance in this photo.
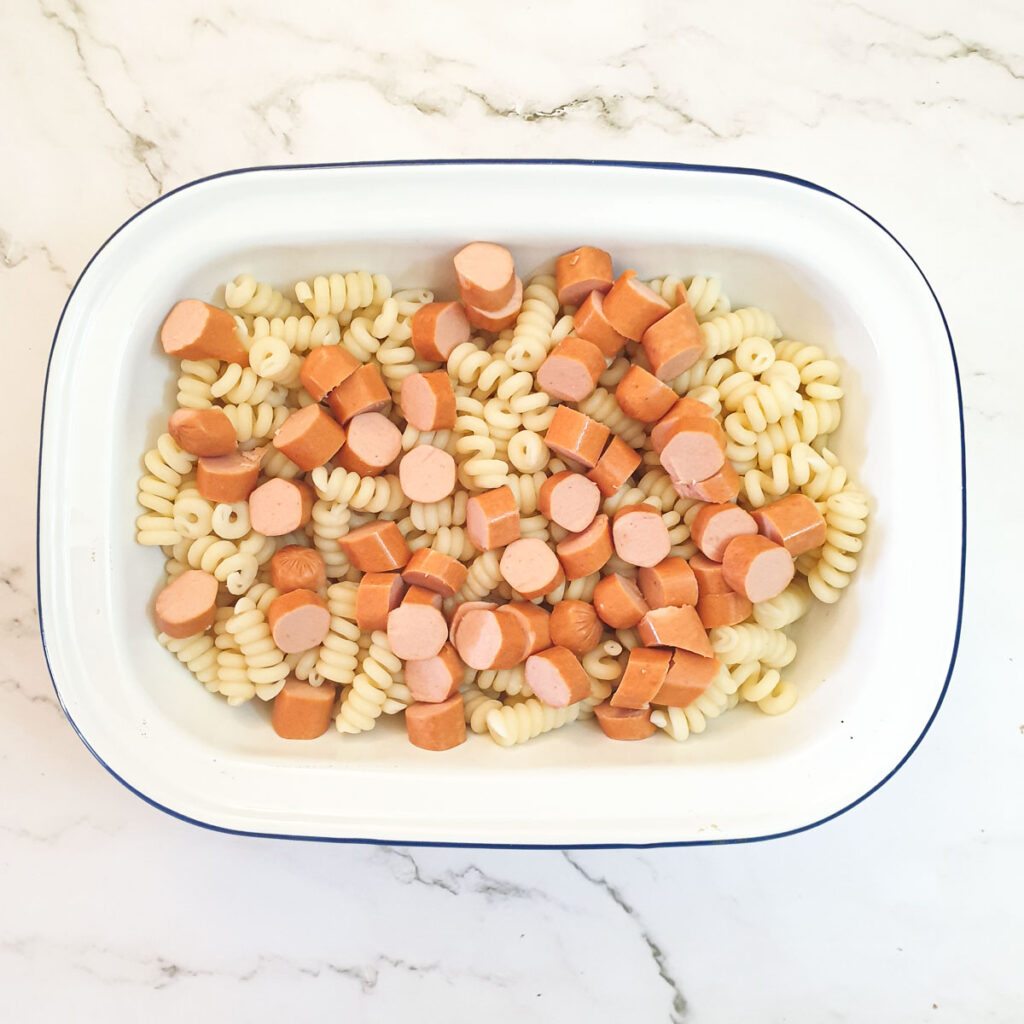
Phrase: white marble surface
[908,908]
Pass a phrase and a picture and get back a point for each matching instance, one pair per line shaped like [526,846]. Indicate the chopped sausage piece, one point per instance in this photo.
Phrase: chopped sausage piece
[569,499]
[556,677]
[280,506]
[718,488]
[295,567]
[709,576]
[491,640]
[615,466]
[435,679]
[690,675]
[302,711]
[500,318]
[417,629]
[631,307]
[229,478]
[675,627]
[361,391]
[423,596]
[426,473]
[325,368]
[187,605]
[461,611]
[696,450]
[298,621]
[674,343]
[670,582]
[309,437]
[577,437]
[530,568]
[591,324]
[726,609]
[640,535]
[580,272]
[536,622]
[436,571]
[197,330]
[486,274]
[757,567]
[570,371]
[618,602]
[582,554]
[794,522]
[645,673]
[376,547]
[437,329]
[377,595]
[373,443]
[436,726]
[642,396]
[624,723]
[575,625]
[203,431]
[492,519]
[427,400]
[715,525]
[684,409]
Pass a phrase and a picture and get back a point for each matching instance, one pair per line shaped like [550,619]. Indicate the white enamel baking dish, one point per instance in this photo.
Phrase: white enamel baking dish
[869,682]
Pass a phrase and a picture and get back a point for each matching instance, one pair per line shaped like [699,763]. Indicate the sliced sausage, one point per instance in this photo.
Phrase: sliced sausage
[500,318]
[377,595]
[675,627]
[280,506]
[486,274]
[229,478]
[422,596]
[631,307]
[437,329]
[569,499]
[670,582]
[645,673]
[673,343]
[361,391]
[715,525]
[372,444]
[757,567]
[435,571]
[536,622]
[618,463]
[435,679]
[462,610]
[575,625]
[187,605]
[570,371]
[309,437]
[556,677]
[436,726]
[690,675]
[794,522]
[640,535]
[491,640]
[302,711]
[426,473]
[427,400]
[197,330]
[376,547]
[298,621]
[583,554]
[591,324]
[696,450]
[576,436]
[580,272]
[618,602]
[325,368]
[203,431]
[726,609]
[492,519]
[642,396]
[624,723]
[720,487]
[295,567]
[684,409]
[417,629]
[530,568]
[709,576]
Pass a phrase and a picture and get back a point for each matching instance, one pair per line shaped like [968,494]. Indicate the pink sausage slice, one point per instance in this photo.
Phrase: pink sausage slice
[570,371]
[438,328]
[427,400]
[631,307]
[530,568]
[580,272]
[670,582]
[187,605]
[592,325]
[298,620]
[673,343]
[569,499]
[461,611]
[624,723]
[582,554]
[377,595]
[491,640]
[203,431]
[325,368]
[197,330]
[436,726]
[486,275]
[373,443]
[556,677]
[685,409]
[675,627]
[536,623]
[618,602]
[757,567]
[426,473]
[715,525]
[435,679]
[695,452]
[500,318]
[295,567]
[794,522]
[229,478]
[416,631]
[280,506]
[309,437]
[640,535]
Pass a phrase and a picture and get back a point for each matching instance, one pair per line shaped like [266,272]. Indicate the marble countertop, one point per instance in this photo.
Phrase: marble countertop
[907,908]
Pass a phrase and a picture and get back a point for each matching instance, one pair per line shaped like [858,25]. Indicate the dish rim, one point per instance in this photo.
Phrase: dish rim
[498,162]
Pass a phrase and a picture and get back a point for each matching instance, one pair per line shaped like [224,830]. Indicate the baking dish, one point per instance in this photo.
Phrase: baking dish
[870,682]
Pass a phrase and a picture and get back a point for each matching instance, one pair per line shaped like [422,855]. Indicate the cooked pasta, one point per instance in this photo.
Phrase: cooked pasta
[512,724]
[247,295]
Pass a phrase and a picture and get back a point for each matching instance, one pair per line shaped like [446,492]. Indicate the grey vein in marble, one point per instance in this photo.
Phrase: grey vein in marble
[476,881]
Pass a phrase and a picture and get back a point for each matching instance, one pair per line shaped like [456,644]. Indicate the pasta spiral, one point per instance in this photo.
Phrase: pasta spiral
[337,657]
[782,611]
[431,517]
[483,577]
[725,332]
[332,294]
[225,559]
[331,520]
[237,384]
[476,707]
[374,494]
[531,336]
[828,573]
[194,383]
[197,653]
[517,723]
[247,295]
[601,405]
[299,333]
[749,641]
[506,680]
[264,662]
[256,422]
[602,668]
[364,702]
[166,466]
[681,723]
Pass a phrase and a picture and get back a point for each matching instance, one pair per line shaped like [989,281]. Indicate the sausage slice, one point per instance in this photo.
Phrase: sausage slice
[435,679]
[280,506]
[575,626]
[757,567]
[197,330]
[427,400]
[325,368]
[570,371]
[576,436]
[187,605]
[426,473]
[569,499]
[361,391]
[675,627]
[642,396]
[591,324]
[377,594]
[373,443]
[302,711]
[640,535]
[618,602]
[624,723]
[583,554]
[689,676]
[229,478]
[580,272]
[530,568]
[645,673]
[436,726]
[295,567]
[437,329]
[715,525]
[631,307]
[794,522]
[203,431]
[492,519]
[309,437]
[556,677]
[376,547]
[618,463]
[298,620]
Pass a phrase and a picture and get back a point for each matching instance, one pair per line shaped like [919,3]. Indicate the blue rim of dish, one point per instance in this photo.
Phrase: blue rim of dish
[542,162]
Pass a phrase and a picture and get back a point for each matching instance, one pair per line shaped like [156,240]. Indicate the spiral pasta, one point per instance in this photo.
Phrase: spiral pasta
[193,514]
[264,662]
[782,611]
[331,520]
[254,423]
[247,295]
[166,466]
[531,336]
[483,577]
[299,333]
[197,376]
[365,493]
[602,668]
[429,518]
[331,294]
[364,703]
[725,332]
[749,641]
[512,724]
[681,723]
[337,657]
[476,706]
[505,680]
[271,359]
[828,572]
[197,653]
[234,567]
[601,405]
